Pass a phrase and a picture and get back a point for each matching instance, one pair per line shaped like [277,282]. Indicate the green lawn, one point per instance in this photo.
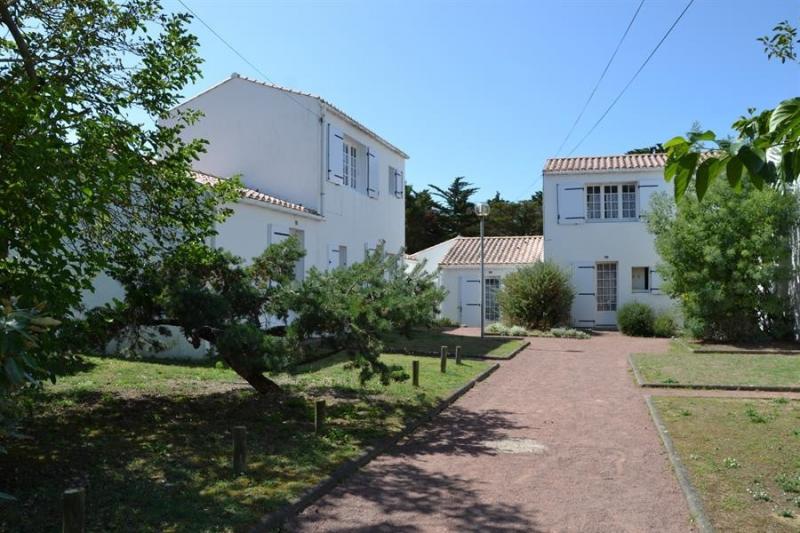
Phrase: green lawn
[743,457]
[719,369]
[152,441]
[431,341]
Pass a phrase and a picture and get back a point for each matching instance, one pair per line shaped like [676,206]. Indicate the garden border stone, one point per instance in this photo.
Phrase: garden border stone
[423,353]
[692,498]
[276,519]
[706,386]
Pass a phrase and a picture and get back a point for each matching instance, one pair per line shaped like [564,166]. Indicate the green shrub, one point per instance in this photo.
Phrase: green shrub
[636,319]
[497,329]
[538,296]
[517,331]
[569,333]
[444,322]
[665,325]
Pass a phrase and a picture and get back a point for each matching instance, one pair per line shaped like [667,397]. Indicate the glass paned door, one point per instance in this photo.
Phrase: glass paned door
[606,293]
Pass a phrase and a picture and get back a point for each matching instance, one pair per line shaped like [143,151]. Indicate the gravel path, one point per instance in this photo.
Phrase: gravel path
[558,439]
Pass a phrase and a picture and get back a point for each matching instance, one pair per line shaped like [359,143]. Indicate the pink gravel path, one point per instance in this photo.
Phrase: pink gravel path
[602,469]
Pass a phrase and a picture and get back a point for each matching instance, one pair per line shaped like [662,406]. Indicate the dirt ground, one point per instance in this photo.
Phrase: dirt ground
[558,439]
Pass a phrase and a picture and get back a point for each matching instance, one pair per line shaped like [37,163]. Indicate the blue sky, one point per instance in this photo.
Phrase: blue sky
[489,89]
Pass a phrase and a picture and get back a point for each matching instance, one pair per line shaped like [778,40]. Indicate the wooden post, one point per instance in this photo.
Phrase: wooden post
[239,450]
[74,510]
[443,359]
[319,416]
[458,355]
[415,373]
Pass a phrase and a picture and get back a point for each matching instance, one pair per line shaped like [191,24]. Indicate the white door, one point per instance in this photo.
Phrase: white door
[606,291]
[470,301]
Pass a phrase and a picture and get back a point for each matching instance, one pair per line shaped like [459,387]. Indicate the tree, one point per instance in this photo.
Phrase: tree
[726,259]
[456,209]
[84,187]
[515,218]
[423,221]
[211,295]
[766,150]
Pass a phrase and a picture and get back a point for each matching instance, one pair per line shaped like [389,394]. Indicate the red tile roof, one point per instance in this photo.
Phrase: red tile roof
[253,194]
[497,250]
[605,163]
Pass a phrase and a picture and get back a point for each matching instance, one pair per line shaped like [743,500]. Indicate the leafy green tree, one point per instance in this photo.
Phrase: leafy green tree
[84,187]
[765,151]
[455,207]
[515,218]
[423,221]
[727,259]
[211,295]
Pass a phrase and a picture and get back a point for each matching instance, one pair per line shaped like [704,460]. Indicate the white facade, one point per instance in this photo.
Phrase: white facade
[594,226]
[309,170]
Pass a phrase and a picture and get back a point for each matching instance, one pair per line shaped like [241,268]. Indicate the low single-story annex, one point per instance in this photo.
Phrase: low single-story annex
[458,263]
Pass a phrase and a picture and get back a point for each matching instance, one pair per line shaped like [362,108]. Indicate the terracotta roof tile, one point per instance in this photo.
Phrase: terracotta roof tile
[605,163]
[497,250]
[253,194]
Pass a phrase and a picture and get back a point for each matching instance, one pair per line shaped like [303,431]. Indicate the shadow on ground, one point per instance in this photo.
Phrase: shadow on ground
[394,492]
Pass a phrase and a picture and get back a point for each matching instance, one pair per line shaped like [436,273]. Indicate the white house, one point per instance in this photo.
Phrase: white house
[309,170]
[594,209]
[458,264]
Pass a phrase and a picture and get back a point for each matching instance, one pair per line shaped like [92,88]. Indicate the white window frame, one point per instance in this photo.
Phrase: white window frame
[599,193]
[350,163]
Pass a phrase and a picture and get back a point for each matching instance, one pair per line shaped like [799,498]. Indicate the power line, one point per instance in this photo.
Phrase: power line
[647,60]
[602,75]
[235,51]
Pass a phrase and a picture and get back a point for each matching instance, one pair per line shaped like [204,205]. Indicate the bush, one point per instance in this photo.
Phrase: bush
[517,331]
[497,329]
[538,296]
[569,333]
[444,322]
[636,319]
[665,325]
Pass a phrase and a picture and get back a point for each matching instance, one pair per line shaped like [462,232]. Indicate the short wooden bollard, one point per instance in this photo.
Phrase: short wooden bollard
[443,359]
[415,373]
[239,450]
[458,355]
[74,511]
[319,416]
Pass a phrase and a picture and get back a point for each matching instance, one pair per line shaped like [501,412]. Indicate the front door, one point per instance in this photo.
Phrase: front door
[606,294]
[470,300]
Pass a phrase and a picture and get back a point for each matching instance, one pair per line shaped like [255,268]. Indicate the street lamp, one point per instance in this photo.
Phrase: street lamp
[482,210]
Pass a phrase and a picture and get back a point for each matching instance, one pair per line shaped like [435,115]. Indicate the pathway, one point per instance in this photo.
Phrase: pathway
[558,439]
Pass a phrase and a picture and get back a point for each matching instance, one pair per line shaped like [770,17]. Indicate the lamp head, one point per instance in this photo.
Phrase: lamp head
[482,209]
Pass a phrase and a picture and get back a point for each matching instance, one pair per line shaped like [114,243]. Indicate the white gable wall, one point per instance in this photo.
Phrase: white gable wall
[575,242]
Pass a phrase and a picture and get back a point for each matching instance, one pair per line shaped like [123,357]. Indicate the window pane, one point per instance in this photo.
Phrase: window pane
[606,286]
[593,202]
[629,201]
[353,167]
[640,277]
[611,201]
[346,163]
[492,307]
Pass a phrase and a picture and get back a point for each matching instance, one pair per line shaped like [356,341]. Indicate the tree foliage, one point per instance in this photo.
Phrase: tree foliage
[429,222]
[83,186]
[727,259]
[211,295]
[537,296]
[765,151]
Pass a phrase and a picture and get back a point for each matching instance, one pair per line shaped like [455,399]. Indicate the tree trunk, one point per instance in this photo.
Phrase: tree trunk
[257,380]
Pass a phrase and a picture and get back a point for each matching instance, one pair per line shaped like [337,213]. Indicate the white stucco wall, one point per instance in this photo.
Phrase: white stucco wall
[628,243]
[278,144]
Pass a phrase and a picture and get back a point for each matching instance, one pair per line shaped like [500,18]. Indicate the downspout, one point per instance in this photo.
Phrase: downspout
[323,160]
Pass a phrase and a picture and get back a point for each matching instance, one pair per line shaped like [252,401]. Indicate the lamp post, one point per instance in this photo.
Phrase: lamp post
[482,210]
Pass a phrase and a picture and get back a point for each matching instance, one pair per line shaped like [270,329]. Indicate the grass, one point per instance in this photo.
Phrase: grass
[743,457]
[683,367]
[152,443]
[431,341]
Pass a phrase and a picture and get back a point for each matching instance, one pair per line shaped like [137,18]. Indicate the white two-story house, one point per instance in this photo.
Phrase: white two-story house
[309,170]
[594,211]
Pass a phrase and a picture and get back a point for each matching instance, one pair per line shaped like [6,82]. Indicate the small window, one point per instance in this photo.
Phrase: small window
[492,305]
[349,164]
[640,279]
[629,200]
[593,202]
